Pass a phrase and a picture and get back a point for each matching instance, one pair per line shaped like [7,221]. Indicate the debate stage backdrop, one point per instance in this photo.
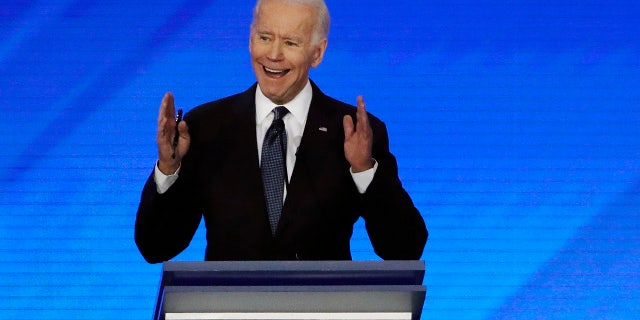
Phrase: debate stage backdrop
[516,125]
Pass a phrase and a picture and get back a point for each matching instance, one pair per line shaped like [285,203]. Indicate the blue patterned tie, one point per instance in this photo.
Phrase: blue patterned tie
[273,166]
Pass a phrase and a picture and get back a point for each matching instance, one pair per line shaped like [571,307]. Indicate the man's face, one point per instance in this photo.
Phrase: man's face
[281,48]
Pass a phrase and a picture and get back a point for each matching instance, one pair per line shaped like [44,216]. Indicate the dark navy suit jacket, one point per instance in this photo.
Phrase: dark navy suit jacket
[220,179]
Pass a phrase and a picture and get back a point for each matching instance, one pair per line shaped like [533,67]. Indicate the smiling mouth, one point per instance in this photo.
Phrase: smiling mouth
[275,72]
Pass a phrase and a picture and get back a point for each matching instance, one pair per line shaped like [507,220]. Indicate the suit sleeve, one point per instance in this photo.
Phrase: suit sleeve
[395,226]
[165,223]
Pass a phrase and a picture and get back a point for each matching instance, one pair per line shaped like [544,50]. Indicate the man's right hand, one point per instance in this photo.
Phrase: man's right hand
[166,132]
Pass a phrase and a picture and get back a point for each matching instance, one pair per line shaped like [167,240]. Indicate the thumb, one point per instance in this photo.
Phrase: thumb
[183,129]
[347,123]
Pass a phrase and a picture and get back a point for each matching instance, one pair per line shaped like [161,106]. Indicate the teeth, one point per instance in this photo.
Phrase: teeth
[273,70]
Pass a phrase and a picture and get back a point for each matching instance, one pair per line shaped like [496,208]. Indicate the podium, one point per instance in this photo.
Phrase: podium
[278,290]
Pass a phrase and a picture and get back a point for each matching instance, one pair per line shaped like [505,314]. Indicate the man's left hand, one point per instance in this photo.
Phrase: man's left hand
[358,139]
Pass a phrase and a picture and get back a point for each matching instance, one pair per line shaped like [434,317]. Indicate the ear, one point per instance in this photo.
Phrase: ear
[318,53]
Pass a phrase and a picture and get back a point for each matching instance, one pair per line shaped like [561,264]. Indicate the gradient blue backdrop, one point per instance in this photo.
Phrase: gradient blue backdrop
[516,125]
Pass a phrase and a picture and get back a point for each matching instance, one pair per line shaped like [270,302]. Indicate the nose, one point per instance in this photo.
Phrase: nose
[275,50]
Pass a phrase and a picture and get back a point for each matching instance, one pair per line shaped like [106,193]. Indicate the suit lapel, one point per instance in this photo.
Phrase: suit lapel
[320,133]
[315,138]
[246,153]
[245,113]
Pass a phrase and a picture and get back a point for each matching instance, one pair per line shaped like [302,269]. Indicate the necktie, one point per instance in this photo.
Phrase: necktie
[273,166]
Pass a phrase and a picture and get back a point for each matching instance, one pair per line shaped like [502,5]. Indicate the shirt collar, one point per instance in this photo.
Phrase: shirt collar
[298,107]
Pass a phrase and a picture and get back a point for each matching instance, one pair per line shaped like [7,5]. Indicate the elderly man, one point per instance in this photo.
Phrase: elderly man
[280,171]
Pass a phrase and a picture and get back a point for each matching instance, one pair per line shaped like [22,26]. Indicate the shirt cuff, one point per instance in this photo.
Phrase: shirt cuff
[363,179]
[163,181]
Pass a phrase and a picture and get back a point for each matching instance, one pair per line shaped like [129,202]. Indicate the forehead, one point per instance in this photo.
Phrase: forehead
[286,18]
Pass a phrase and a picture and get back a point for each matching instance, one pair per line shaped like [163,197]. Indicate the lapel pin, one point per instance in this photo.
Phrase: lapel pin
[323,129]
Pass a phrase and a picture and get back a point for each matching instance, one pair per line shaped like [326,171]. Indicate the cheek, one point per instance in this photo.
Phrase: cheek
[300,60]
[256,50]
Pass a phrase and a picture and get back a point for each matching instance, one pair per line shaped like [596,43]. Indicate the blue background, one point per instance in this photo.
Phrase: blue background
[516,124]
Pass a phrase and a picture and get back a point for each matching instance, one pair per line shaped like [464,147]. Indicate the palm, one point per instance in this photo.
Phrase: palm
[358,139]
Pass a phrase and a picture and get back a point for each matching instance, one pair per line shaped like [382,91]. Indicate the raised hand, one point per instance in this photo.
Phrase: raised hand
[358,139]
[168,158]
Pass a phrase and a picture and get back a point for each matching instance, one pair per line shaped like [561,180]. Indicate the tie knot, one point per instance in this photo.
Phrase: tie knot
[279,112]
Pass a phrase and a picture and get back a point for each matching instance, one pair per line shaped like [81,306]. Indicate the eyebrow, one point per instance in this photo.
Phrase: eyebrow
[286,37]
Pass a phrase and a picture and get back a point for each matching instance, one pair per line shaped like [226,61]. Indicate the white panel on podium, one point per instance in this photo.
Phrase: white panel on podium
[292,290]
[291,316]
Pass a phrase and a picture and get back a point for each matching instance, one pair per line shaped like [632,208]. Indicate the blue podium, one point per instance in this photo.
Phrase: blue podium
[275,290]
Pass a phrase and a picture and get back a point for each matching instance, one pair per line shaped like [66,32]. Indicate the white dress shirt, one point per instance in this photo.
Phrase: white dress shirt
[294,122]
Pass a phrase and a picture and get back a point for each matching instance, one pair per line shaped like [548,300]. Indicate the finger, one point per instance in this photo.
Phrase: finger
[361,114]
[347,123]
[161,128]
[183,141]
[166,124]
[167,107]
[360,101]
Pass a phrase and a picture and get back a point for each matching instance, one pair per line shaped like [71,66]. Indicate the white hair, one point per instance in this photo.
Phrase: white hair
[321,27]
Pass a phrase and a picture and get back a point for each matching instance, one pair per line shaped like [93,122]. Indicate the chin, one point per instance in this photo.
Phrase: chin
[273,95]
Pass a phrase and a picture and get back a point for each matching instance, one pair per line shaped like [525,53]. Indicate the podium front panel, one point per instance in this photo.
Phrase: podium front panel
[292,290]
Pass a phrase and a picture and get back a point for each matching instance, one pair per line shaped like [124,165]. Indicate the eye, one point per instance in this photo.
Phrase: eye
[291,43]
[263,37]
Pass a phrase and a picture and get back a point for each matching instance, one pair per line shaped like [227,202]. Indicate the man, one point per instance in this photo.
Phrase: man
[333,169]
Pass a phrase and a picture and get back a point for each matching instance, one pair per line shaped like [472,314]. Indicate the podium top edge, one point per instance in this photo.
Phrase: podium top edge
[302,288]
[388,265]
